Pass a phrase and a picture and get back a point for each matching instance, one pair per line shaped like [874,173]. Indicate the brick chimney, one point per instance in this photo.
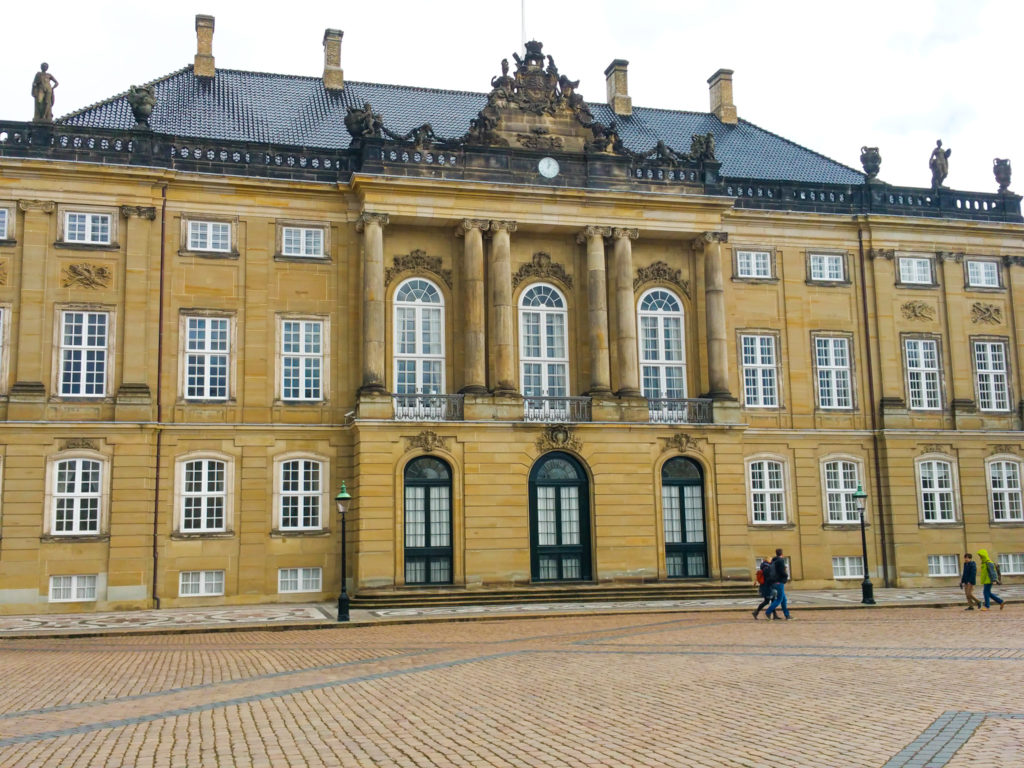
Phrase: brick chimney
[334,76]
[204,46]
[618,90]
[721,96]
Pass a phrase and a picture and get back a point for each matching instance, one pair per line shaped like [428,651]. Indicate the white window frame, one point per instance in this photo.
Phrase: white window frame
[1004,476]
[983,273]
[283,491]
[841,494]
[306,579]
[924,382]
[943,566]
[203,232]
[1011,563]
[79,384]
[54,493]
[311,364]
[991,381]
[768,491]
[753,264]
[847,567]
[660,355]
[913,269]
[92,224]
[827,267]
[927,472]
[760,374]
[303,242]
[5,223]
[424,357]
[551,366]
[82,588]
[203,356]
[182,493]
[210,583]
[834,375]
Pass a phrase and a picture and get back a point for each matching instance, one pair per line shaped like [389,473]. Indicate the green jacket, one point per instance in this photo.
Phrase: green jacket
[983,574]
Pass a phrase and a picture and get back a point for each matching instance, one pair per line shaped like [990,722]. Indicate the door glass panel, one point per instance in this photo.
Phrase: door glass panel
[694,514]
[570,516]
[548,567]
[570,567]
[415,517]
[440,517]
[670,511]
[547,535]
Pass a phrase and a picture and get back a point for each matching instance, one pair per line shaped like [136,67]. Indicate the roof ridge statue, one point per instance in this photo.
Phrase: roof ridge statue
[939,163]
[42,92]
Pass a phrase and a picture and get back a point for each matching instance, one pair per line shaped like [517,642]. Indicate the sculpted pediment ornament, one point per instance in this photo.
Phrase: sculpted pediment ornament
[79,443]
[683,443]
[86,276]
[559,437]
[417,260]
[918,310]
[660,272]
[1005,448]
[986,313]
[541,267]
[936,448]
[426,440]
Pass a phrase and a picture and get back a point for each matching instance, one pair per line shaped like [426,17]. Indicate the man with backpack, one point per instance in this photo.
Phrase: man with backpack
[988,575]
[779,578]
[763,577]
[967,581]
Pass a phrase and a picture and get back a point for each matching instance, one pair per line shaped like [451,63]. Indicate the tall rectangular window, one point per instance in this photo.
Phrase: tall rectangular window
[936,480]
[848,567]
[767,492]
[200,583]
[1005,491]
[207,357]
[88,228]
[759,373]
[77,494]
[209,236]
[826,267]
[299,579]
[982,274]
[753,264]
[992,379]
[204,496]
[83,354]
[302,241]
[915,271]
[923,373]
[73,589]
[302,359]
[3,223]
[943,565]
[841,482]
[300,494]
[832,356]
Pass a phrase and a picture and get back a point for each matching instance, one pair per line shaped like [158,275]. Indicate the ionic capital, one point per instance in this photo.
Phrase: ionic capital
[467,224]
[714,237]
[949,256]
[591,232]
[1013,261]
[46,206]
[619,233]
[882,253]
[508,226]
[368,218]
[147,212]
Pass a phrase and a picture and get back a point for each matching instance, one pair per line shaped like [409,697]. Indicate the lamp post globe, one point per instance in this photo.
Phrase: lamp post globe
[341,501]
[867,589]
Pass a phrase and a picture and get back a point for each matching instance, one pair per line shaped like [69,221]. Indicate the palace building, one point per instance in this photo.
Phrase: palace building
[544,341]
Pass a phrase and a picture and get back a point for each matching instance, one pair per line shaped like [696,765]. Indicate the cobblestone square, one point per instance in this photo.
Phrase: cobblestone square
[921,687]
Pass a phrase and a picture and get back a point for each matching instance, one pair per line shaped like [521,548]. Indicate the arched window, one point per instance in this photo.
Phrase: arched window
[419,338]
[682,508]
[543,347]
[662,361]
[559,520]
[428,522]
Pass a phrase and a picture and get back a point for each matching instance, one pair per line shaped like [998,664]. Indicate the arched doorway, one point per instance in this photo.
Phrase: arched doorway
[682,507]
[559,520]
[428,522]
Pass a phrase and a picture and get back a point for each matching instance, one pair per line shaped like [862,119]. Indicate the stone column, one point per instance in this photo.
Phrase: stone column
[31,346]
[501,295]
[597,314]
[137,302]
[475,355]
[714,302]
[625,313]
[372,226]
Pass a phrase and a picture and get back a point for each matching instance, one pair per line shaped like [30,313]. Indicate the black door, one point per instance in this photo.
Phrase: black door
[428,522]
[559,520]
[682,503]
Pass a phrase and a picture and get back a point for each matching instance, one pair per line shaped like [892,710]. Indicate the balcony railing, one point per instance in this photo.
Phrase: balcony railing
[556,409]
[428,407]
[672,410]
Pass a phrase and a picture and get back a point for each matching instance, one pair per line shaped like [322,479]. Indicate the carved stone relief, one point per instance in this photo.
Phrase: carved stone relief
[543,268]
[683,442]
[79,443]
[918,310]
[417,260]
[426,440]
[660,272]
[3,273]
[86,276]
[46,206]
[1005,448]
[986,313]
[954,256]
[142,211]
[882,253]
[559,437]
[936,448]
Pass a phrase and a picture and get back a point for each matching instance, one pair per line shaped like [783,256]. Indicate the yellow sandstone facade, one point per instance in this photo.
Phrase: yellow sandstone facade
[506,373]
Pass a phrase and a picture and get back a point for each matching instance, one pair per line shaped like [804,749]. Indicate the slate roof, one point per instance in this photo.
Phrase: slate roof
[259,107]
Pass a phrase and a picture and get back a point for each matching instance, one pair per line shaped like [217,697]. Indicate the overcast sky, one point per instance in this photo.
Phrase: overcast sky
[830,76]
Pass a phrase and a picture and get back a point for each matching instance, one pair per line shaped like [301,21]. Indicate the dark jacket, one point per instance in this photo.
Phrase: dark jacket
[779,570]
[970,575]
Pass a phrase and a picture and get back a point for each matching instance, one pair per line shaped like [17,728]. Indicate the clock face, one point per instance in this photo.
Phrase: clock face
[548,167]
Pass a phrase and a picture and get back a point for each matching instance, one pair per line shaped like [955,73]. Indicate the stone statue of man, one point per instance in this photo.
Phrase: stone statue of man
[42,92]
[939,163]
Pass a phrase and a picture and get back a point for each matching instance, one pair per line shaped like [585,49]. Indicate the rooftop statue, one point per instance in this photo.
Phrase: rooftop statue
[939,163]
[364,123]
[142,99]
[702,146]
[42,92]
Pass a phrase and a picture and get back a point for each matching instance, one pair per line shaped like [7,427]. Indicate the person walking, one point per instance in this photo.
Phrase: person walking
[989,575]
[967,581]
[779,579]
[763,577]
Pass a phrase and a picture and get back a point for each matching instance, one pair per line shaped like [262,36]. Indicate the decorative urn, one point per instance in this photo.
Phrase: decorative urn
[1001,170]
[871,159]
